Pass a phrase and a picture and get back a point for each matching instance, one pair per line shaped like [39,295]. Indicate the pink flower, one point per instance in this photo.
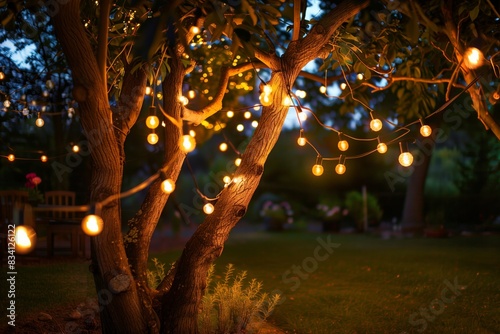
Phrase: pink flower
[36,180]
[30,176]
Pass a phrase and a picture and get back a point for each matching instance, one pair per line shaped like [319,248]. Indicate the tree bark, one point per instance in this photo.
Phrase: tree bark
[413,213]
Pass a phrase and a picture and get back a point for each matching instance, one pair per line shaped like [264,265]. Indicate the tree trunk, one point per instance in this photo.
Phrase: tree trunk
[413,213]
[122,310]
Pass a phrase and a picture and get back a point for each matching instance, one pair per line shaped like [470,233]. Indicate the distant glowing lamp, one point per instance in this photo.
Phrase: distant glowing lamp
[92,225]
[194,30]
[75,148]
[25,238]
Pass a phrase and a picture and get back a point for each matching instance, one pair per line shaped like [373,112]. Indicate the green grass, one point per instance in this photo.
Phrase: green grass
[367,285]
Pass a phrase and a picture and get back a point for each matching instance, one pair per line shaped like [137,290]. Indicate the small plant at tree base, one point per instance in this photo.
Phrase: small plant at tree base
[232,306]
[155,275]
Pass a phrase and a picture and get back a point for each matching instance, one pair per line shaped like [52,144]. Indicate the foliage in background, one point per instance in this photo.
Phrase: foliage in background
[354,203]
[155,275]
[232,306]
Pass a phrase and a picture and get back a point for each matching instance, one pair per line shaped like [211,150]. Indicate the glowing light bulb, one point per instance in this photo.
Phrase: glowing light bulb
[265,100]
[188,143]
[230,114]
[6,103]
[191,94]
[237,162]
[382,148]
[360,76]
[267,89]
[405,159]
[92,225]
[226,179]
[39,121]
[343,86]
[255,124]
[184,100]
[208,208]
[240,127]
[376,124]
[152,138]
[223,147]
[322,89]
[148,90]
[194,30]
[473,58]
[340,169]
[301,141]
[75,148]
[287,101]
[317,170]
[25,238]
[343,145]
[44,158]
[168,186]
[2,75]
[425,130]
[302,116]
[247,114]
[152,122]
[11,157]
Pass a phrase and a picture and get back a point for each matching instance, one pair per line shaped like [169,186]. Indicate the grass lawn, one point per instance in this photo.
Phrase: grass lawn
[357,284]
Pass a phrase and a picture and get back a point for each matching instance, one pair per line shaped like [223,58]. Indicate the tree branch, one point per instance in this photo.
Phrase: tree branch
[197,116]
[102,39]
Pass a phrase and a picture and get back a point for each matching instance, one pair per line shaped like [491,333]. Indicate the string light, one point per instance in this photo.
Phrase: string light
[75,148]
[187,143]
[381,148]
[223,147]
[152,120]
[318,169]
[92,225]
[230,114]
[44,158]
[152,138]
[11,157]
[473,58]
[340,169]
[226,179]
[167,186]
[375,123]
[343,145]
[405,158]
[240,127]
[2,75]
[39,121]
[25,238]
[322,89]
[208,208]
[247,115]
[191,94]
[194,30]
[255,124]
[425,130]
[148,90]
[237,162]
[302,140]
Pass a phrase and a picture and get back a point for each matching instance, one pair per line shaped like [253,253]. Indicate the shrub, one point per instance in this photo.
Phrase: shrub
[155,275]
[231,306]
[354,203]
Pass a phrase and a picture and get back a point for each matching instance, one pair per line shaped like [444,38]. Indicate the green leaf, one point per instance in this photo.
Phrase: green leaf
[474,13]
